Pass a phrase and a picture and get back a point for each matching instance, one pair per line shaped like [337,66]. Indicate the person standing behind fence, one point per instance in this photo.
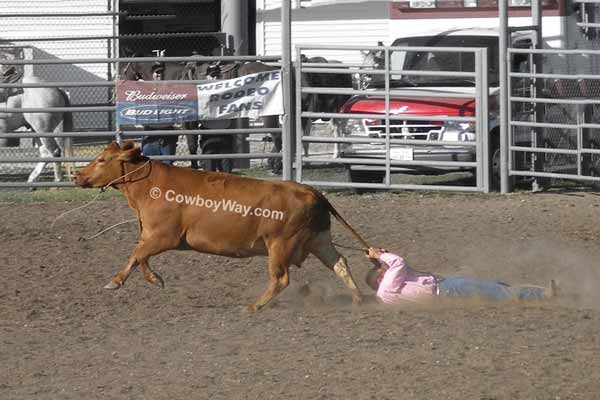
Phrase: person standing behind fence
[159,145]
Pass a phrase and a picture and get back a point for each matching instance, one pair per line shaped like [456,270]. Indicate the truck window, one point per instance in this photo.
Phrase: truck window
[443,61]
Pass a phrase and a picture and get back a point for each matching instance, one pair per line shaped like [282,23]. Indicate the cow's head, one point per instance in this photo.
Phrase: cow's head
[108,166]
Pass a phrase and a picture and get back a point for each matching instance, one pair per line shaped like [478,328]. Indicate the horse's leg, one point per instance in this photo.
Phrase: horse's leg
[65,147]
[44,153]
[45,123]
[55,151]
[67,151]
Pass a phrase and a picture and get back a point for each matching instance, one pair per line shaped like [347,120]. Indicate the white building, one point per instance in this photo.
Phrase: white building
[365,22]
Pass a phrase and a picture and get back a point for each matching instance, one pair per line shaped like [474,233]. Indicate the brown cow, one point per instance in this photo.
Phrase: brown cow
[217,213]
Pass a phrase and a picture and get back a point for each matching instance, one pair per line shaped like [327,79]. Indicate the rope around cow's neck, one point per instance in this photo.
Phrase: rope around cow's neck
[102,189]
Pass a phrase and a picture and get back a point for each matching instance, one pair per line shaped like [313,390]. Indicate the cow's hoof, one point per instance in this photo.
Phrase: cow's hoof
[158,280]
[112,286]
[252,308]
[357,300]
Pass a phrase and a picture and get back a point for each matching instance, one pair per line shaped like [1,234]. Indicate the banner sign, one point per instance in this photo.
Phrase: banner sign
[249,96]
[151,103]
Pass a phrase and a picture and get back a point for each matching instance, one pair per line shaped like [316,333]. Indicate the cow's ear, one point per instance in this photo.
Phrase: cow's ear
[113,146]
[130,155]
[128,145]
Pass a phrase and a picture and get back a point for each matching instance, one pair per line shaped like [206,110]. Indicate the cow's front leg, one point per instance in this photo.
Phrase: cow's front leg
[140,256]
[119,279]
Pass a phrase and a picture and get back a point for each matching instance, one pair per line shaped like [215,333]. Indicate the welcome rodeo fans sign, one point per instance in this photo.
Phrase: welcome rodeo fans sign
[250,96]
[148,103]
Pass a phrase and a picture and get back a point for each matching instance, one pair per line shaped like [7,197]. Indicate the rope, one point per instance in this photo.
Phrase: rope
[123,176]
[348,247]
[102,189]
[107,229]
[74,209]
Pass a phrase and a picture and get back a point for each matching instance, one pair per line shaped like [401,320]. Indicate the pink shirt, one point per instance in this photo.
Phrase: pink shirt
[401,283]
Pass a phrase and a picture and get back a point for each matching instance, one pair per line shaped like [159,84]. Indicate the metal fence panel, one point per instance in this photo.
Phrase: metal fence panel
[389,134]
[564,145]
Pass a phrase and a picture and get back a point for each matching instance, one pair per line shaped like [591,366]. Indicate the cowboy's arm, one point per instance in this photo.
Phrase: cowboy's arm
[395,274]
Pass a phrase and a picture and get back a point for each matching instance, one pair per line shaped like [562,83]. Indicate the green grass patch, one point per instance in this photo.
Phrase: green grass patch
[258,173]
[61,195]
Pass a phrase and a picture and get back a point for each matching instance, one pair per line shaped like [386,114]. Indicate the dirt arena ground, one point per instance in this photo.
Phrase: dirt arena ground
[63,337]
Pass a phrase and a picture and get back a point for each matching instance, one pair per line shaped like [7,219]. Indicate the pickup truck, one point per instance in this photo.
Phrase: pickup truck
[405,102]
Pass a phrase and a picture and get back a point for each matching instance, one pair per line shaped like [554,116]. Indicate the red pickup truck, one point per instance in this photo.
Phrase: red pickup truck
[405,102]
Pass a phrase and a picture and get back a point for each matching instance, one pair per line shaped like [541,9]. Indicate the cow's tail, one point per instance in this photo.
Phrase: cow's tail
[342,221]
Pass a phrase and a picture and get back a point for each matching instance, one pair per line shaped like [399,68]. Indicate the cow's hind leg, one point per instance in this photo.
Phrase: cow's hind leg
[322,247]
[279,278]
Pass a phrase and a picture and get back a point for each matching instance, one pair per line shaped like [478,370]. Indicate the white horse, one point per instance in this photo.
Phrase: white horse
[45,122]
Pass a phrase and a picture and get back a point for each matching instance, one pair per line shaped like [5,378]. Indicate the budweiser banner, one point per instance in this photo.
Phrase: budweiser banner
[249,96]
[150,103]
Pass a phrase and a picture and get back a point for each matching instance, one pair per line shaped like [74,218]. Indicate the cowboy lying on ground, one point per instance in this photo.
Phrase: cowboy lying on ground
[396,283]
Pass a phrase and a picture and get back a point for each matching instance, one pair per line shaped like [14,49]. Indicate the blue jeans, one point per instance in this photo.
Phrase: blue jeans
[160,146]
[489,290]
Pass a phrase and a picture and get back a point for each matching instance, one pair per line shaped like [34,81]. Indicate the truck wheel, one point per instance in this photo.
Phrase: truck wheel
[365,177]
[494,158]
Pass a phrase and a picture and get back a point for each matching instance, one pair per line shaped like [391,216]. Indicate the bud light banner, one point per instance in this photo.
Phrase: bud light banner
[249,96]
[151,103]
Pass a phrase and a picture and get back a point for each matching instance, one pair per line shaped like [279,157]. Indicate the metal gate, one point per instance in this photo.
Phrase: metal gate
[549,104]
[393,140]
[554,129]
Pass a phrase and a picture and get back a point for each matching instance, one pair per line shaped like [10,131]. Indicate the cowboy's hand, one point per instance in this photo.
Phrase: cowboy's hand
[374,253]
